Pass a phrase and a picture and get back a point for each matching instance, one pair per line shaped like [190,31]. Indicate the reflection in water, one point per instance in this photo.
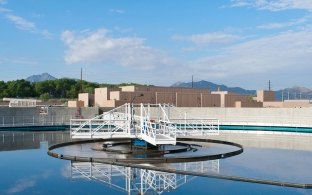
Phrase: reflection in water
[10,141]
[142,181]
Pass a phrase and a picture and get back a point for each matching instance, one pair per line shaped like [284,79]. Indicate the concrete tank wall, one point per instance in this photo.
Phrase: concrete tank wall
[256,116]
[37,115]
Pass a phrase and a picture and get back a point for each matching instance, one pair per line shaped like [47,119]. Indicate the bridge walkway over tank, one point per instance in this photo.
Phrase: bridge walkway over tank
[149,122]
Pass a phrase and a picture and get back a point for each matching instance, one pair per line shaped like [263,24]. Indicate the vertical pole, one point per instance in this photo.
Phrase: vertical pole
[90,128]
[141,119]
[201,99]
[13,120]
[142,172]
[185,123]
[80,80]
[218,127]
[192,82]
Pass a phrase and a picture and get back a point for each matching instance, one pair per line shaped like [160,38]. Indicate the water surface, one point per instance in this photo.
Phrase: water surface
[27,169]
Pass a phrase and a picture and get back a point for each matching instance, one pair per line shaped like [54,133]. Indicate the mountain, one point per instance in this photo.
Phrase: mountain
[214,87]
[40,77]
[294,93]
[282,94]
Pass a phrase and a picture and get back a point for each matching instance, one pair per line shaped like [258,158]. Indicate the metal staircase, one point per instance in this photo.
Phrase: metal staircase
[153,124]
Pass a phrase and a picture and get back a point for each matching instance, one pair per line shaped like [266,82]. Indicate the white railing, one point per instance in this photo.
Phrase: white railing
[156,132]
[158,181]
[161,129]
[34,120]
[127,179]
[108,124]
[203,126]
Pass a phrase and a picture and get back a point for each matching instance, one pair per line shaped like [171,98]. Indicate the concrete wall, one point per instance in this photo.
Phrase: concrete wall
[87,98]
[265,96]
[253,104]
[102,94]
[288,104]
[211,100]
[75,104]
[30,116]
[297,116]
[165,98]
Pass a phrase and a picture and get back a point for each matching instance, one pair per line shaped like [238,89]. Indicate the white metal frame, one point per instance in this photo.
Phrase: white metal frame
[121,122]
[139,180]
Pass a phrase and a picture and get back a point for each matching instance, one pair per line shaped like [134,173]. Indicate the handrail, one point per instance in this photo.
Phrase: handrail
[163,130]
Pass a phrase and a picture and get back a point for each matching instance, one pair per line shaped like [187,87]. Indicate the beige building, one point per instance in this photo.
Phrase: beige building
[75,104]
[288,104]
[265,96]
[87,99]
[228,99]
[180,97]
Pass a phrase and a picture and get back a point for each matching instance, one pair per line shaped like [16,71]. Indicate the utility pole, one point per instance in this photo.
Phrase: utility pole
[78,112]
[80,80]
[192,82]
[269,85]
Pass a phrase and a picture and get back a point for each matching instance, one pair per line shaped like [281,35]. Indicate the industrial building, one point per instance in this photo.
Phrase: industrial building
[180,97]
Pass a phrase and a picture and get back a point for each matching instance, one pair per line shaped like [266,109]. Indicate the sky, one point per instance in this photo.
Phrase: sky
[242,43]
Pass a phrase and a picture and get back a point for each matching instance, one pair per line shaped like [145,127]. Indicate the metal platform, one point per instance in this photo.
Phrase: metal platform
[152,125]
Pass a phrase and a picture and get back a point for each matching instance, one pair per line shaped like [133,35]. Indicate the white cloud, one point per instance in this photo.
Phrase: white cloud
[4,10]
[19,61]
[118,11]
[291,23]
[21,23]
[22,185]
[99,48]
[28,182]
[207,38]
[271,54]
[24,24]
[276,5]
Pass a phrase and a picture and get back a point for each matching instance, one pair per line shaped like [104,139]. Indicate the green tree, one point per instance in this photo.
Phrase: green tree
[3,89]
[20,88]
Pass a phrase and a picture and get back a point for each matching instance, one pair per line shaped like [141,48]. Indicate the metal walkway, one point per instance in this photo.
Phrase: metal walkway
[150,122]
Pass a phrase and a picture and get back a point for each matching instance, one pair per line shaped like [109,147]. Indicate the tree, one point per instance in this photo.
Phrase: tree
[3,89]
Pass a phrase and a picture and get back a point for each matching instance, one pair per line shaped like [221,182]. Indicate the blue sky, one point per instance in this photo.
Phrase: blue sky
[235,42]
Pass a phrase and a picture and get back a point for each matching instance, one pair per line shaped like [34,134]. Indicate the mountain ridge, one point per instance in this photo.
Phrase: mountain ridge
[40,77]
[295,92]
[214,87]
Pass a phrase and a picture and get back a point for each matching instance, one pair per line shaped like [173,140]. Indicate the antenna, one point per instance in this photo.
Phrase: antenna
[192,82]
[269,85]
[80,80]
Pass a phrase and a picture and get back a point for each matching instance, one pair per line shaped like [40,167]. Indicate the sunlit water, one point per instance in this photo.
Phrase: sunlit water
[27,169]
